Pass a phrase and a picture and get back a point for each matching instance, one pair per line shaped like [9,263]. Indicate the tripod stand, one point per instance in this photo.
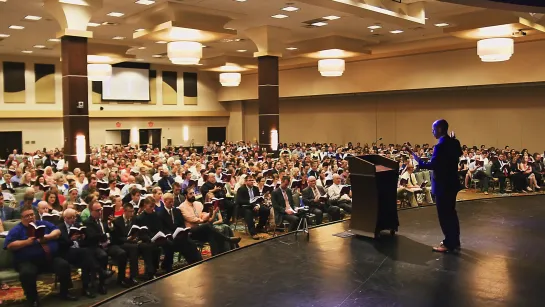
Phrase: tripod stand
[303,225]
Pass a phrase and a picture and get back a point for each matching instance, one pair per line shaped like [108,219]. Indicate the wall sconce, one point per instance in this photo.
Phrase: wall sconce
[81,151]
[186,133]
[135,136]
[274,139]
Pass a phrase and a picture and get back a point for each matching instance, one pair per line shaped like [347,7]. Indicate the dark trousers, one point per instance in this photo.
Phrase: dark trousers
[183,245]
[501,179]
[83,259]
[28,274]
[318,213]
[228,209]
[448,219]
[292,219]
[118,255]
[484,180]
[346,205]
[207,233]
[249,214]
[132,252]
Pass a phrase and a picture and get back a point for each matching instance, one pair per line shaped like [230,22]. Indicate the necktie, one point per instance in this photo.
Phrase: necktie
[286,200]
[251,193]
[316,192]
[2,214]
[171,215]
[101,226]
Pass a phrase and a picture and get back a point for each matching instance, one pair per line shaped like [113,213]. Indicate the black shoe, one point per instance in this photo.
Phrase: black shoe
[88,293]
[35,303]
[123,283]
[102,289]
[234,240]
[132,282]
[68,297]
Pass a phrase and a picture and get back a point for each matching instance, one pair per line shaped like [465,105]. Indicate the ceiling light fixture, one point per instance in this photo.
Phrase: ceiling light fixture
[279,16]
[26,51]
[139,30]
[160,42]
[240,0]
[141,48]
[374,27]
[319,24]
[495,49]
[115,14]
[242,50]
[442,24]
[291,48]
[39,46]
[93,24]
[145,2]
[55,40]
[396,31]
[332,17]
[118,37]
[156,56]
[4,35]
[290,8]
[331,67]
[230,79]
[31,17]
[184,52]
[15,27]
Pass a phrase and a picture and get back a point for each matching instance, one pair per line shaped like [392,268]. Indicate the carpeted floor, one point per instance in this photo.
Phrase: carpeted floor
[14,296]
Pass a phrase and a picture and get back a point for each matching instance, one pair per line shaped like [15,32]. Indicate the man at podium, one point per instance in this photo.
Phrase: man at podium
[445,184]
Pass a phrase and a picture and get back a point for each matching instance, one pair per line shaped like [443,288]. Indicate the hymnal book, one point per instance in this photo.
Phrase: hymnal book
[104,192]
[4,234]
[36,231]
[345,189]
[179,230]
[220,184]
[424,184]
[260,158]
[225,177]
[340,171]
[76,230]
[120,185]
[479,163]
[40,171]
[96,168]
[295,184]
[12,172]
[277,185]
[80,207]
[207,206]
[328,182]
[102,184]
[44,187]
[267,172]
[52,218]
[192,183]
[216,199]
[143,192]
[107,211]
[267,188]
[403,182]
[136,230]
[256,200]
[160,236]
[269,182]
[462,162]
[323,197]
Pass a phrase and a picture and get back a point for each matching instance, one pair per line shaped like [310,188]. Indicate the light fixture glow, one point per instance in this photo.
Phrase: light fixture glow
[115,14]
[290,8]
[274,139]
[319,24]
[81,150]
[332,17]
[184,53]
[26,51]
[242,50]
[118,37]
[156,56]
[31,17]
[39,46]
[279,16]
[331,53]
[93,24]
[374,27]
[141,48]
[160,42]
[99,72]
[145,2]
[396,31]
[331,67]
[135,136]
[291,48]
[495,49]
[442,24]
[55,40]
[230,79]
[139,30]
[4,35]
[16,27]
[186,133]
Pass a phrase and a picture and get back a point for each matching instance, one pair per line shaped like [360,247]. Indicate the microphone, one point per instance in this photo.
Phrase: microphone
[379,139]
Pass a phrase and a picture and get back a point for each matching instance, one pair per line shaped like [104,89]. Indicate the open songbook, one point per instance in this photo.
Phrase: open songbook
[51,217]
[136,230]
[295,184]
[107,211]
[256,200]
[179,230]
[268,188]
[424,184]
[345,189]
[160,236]
[76,230]
[36,231]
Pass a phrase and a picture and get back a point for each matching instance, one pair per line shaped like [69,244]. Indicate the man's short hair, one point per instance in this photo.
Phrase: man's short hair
[127,205]
[443,124]
[248,177]
[285,178]
[134,190]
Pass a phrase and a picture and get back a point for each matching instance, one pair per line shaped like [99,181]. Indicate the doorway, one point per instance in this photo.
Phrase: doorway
[217,134]
[118,137]
[150,136]
[10,140]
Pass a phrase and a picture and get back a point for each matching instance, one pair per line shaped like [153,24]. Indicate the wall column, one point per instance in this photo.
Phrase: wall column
[75,109]
[268,99]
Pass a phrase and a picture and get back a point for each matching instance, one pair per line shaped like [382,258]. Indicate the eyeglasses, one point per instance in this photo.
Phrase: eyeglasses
[27,216]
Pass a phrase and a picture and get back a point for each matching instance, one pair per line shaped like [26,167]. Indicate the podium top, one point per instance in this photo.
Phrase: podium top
[371,164]
[382,168]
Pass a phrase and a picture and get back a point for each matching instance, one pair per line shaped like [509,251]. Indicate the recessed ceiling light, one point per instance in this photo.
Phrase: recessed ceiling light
[396,31]
[332,17]
[319,24]
[93,24]
[15,27]
[156,56]
[4,35]
[26,51]
[39,46]
[115,14]
[279,16]
[290,8]
[242,50]
[442,24]
[145,2]
[374,27]
[426,18]
[118,37]
[56,40]
[161,42]
[141,48]
[291,48]
[139,30]
[139,60]
[230,29]
[240,0]
[31,17]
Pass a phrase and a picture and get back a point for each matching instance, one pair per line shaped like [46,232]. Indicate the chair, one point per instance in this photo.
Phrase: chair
[488,172]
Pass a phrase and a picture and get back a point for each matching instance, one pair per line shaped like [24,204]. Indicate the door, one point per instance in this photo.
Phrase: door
[155,138]
[125,137]
[217,134]
[10,140]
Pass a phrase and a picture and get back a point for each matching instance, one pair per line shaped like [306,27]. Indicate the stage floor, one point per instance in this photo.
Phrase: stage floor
[501,264]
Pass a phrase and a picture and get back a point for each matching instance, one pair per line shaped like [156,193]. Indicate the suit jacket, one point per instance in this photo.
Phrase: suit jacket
[308,196]
[496,168]
[153,222]
[120,231]
[278,202]
[167,222]
[9,213]
[64,240]
[93,233]
[444,164]
[164,183]
[12,189]
[243,196]
[178,200]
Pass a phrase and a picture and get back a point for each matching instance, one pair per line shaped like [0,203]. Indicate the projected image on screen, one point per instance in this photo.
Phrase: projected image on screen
[127,84]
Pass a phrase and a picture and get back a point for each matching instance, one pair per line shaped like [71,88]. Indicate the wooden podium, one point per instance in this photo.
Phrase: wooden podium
[374,195]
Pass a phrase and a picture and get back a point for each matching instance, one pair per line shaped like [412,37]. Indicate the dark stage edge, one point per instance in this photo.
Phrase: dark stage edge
[501,264]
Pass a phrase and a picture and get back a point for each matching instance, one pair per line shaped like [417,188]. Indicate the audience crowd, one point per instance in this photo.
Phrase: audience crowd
[140,202]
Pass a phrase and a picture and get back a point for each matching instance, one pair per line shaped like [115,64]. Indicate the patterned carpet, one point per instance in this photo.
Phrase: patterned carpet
[15,296]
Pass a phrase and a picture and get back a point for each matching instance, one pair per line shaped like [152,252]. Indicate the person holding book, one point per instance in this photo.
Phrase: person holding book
[6,212]
[500,170]
[35,250]
[249,199]
[284,207]
[412,185]
[315,197]
[337,196]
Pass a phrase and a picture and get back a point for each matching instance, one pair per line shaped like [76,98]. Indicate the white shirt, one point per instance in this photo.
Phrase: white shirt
[60,164]
[334,192]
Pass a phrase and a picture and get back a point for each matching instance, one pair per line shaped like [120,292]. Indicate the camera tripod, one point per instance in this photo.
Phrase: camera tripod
[303,225]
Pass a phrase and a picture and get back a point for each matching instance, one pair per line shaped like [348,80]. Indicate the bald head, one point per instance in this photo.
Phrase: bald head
[43,207]
[336,179]
[440,128]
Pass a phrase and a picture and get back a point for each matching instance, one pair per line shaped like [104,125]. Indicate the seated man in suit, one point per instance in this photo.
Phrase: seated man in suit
[413,186]
[245,195]
[32,256]
[335,198]
[8,185]
[6,213]
[166,181]
[282,201]
[97,239]
[315,197]
[219,192]
[70,250]
[172,219]
[134,246]
[177,194]
[500,170]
